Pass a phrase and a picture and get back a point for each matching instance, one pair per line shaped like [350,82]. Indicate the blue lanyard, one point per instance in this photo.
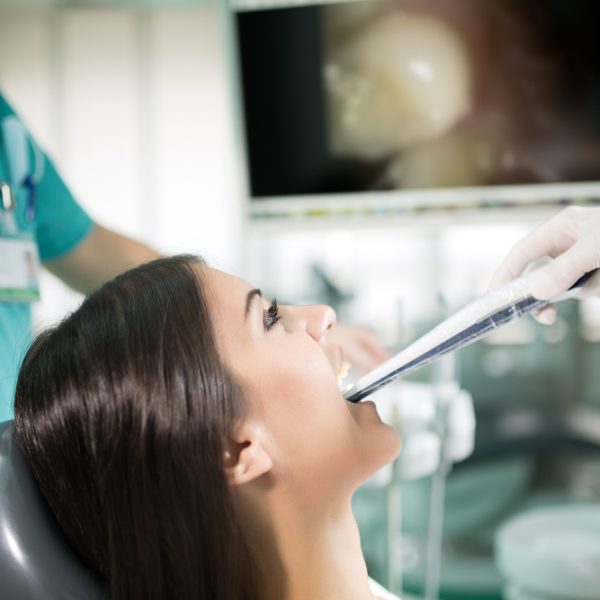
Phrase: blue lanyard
[30,184]
[25,161]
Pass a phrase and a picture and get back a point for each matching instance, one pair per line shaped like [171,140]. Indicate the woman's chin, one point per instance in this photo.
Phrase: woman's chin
[384,439]
[382,449]
[391,440]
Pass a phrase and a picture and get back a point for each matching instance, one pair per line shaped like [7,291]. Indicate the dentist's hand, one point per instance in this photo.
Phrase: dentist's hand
[572,239]
[361,347]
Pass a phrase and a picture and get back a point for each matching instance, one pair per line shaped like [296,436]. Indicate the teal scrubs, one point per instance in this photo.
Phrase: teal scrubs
[58,226]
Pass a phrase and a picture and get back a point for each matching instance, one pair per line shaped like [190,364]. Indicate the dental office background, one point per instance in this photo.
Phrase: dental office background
[159,127]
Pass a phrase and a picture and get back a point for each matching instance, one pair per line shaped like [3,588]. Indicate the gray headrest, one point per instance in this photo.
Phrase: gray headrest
[36,561]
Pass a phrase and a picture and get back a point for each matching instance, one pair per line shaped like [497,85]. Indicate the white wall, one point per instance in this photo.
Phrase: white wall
[133,105]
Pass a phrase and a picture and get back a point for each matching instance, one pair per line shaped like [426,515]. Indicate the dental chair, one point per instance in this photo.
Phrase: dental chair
[36,560]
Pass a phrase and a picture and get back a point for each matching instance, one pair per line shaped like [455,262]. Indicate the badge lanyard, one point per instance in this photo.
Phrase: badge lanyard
[19,260]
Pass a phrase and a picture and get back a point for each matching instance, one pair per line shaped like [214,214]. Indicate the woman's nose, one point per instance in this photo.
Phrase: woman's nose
[317,318]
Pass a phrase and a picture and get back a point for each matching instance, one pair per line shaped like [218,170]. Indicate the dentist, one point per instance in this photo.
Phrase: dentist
[41,221]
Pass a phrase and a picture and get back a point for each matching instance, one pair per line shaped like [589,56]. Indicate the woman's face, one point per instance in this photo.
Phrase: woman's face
[288,371]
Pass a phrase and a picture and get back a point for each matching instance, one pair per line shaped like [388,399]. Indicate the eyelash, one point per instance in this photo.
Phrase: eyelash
[271,315]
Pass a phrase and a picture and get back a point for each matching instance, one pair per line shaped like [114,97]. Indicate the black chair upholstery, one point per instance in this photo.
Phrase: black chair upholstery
[36,561]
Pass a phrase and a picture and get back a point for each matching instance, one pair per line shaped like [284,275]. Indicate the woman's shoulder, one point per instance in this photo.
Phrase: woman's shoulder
[380,592]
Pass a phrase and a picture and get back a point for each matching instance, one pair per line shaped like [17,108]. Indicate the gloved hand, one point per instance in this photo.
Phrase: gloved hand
[572,240]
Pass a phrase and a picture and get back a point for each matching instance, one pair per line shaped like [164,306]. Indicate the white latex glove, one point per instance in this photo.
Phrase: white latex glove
[572,240]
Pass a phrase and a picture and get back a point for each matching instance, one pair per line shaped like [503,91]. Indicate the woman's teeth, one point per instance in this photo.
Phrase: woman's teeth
[342,372]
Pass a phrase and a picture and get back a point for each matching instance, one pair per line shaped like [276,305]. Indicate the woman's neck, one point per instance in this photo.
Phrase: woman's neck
[303,555]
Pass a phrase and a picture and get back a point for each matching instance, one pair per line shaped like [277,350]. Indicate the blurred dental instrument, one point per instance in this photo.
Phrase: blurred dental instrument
[493,310]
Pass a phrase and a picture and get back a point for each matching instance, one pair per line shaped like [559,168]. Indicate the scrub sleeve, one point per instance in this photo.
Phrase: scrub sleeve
[58,226]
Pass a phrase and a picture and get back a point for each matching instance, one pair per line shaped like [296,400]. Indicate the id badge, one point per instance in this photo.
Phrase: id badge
[19,259]
[19,270]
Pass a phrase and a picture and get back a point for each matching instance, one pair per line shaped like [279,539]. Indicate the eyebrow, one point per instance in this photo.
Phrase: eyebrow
[252,294]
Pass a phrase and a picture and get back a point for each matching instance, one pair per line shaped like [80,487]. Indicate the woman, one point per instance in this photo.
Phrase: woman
[192,442]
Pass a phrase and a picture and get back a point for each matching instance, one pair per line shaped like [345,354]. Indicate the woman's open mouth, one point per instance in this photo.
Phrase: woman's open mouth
[342,372]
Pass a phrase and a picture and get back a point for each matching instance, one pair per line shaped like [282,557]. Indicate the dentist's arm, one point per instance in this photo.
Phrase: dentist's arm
[572,240]
[100,256]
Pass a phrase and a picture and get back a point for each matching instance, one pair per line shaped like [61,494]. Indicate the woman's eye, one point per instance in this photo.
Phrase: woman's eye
[271,315]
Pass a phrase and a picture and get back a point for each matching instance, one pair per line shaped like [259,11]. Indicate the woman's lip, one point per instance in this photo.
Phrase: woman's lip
[335,354]
[372,408]
[341,360]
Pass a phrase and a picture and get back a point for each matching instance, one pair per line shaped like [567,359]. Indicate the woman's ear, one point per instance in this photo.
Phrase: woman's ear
[247,457]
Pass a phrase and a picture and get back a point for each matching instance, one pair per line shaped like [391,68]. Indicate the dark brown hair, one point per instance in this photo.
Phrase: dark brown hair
[123,412]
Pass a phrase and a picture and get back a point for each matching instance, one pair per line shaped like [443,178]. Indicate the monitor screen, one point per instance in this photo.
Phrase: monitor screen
[405,95]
